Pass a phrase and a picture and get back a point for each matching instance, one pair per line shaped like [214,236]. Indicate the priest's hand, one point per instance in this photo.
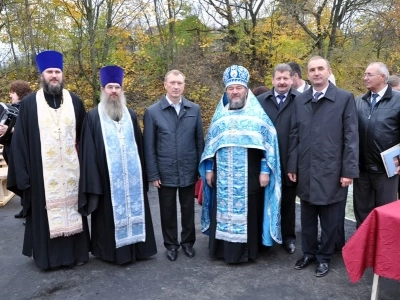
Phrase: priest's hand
[292,177]
[264,179]
[157,183]
[210,178]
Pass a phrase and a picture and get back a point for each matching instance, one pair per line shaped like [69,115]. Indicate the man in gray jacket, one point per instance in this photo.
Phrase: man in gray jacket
[173,143]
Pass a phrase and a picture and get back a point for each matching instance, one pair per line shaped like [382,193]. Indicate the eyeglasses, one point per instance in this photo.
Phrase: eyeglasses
[369,75]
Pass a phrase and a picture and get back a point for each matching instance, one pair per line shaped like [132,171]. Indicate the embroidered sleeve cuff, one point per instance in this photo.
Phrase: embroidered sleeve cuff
[209,163]
[264,167]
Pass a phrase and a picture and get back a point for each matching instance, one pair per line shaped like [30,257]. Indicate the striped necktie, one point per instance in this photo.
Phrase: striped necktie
[373,102]
[316,96]
[281,97]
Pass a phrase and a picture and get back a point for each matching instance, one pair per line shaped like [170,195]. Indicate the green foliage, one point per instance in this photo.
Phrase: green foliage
[134,42]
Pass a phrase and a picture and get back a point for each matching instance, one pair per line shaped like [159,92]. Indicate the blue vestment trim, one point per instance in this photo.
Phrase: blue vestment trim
[231,132]
[126,182]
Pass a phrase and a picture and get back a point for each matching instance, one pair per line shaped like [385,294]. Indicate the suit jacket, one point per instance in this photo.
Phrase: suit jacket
[173,143]
[324,145]
[281,120]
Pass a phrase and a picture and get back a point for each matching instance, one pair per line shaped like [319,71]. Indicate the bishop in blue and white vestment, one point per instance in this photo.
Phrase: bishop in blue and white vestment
[238,213]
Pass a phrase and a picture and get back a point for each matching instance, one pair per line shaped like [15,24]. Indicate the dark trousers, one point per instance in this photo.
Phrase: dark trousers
[340,238]
[371,190]
[328,216]
[168,212]
[288,213]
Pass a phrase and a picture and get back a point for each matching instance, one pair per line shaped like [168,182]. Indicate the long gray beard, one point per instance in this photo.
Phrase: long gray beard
[113,109]
[52,89]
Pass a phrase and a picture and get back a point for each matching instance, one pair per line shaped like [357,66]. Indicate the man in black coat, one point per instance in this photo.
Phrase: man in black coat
[173,144]
[323,159]
[379,129]
[278,104]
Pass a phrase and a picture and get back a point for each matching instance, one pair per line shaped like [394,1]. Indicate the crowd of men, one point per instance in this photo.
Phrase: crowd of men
[306,139]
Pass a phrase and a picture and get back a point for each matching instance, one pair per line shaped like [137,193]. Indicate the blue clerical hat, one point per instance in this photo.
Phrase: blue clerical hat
[236,75]
[111,74]
[49,59]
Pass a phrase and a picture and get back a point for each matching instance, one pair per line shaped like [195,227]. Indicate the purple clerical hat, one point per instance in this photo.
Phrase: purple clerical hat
[49,59]
[111,74]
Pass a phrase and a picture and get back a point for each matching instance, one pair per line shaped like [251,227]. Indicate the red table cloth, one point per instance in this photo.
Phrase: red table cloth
[376,244]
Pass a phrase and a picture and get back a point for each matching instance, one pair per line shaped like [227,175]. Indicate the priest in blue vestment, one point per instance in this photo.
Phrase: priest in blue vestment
[113,185]
[240,168]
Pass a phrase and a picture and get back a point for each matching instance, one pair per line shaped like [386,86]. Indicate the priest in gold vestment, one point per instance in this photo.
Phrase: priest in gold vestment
[44,169]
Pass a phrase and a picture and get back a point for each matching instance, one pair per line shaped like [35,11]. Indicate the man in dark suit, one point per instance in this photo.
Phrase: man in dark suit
[379,128]
[323,159]
[278,104]
[173,144]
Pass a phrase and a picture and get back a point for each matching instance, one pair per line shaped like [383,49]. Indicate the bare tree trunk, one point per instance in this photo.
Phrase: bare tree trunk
[171,33]
[109,24]
[30,33]
[90,17]
[11,38]
[161,34]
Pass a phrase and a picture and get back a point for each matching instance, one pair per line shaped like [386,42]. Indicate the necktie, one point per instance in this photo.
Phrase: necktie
[373,102]
[281,97]
[316,96]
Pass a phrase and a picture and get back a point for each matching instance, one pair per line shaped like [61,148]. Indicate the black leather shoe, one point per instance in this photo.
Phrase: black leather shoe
[19,215]
[189,251]
[322,269]
[304,262]
[172,254]
[290,247]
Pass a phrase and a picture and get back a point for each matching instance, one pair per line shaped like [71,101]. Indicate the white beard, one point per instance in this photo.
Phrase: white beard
[113,108]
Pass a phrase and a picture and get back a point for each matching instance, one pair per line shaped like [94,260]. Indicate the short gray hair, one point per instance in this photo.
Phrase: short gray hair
[382,69]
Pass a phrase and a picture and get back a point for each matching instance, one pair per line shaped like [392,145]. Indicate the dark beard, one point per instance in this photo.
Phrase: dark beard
[52,89]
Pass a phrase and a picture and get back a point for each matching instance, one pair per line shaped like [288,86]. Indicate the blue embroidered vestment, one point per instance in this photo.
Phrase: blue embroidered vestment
[230,134]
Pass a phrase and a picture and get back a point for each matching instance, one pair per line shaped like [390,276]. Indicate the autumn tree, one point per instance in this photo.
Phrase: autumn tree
[323,20]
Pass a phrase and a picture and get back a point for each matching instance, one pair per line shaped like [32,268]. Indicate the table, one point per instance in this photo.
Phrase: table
[5,195]
[376,244]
